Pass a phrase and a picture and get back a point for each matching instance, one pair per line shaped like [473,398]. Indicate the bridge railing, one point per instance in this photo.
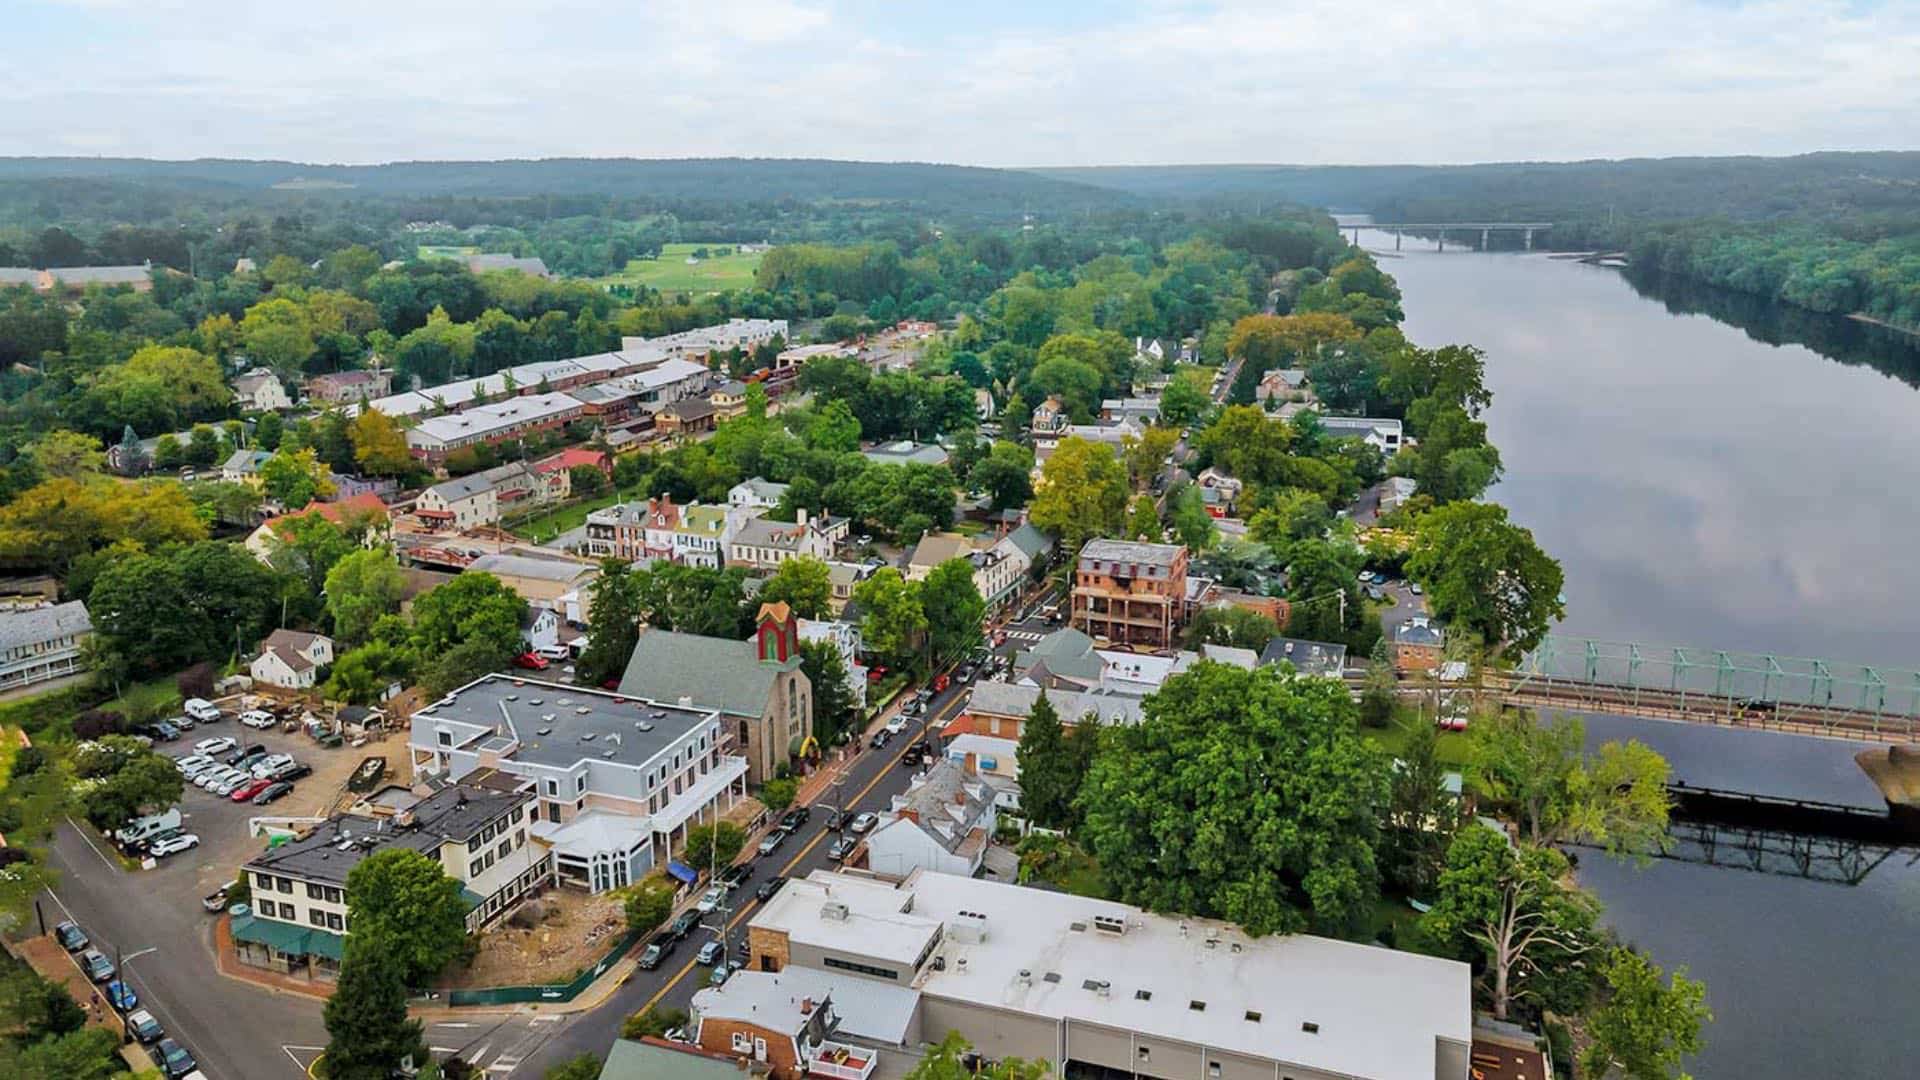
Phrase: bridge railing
[1742,677]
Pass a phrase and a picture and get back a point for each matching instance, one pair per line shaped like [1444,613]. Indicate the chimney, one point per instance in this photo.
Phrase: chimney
[806,1006]
[970,766]
[802,520]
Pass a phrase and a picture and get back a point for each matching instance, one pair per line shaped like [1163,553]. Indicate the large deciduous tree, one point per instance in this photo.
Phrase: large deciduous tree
[1486,576]
[361,587]
[892,620]
[802,584]
[407,900]
[471,607]
[833,700]
[1643,1028]
[954,609]
[1248,796]
[1541,773]
[369,1034]
[1507,902]
[1082,494]
[711,847]
[379,446]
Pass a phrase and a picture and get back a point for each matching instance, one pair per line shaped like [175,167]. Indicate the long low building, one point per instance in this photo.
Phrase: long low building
[433,438]
[1090,987]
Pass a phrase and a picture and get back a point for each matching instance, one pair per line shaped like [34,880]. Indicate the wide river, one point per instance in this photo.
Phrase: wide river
[1705,488]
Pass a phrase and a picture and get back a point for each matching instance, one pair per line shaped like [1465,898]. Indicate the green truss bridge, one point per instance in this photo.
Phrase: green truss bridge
[1713,686]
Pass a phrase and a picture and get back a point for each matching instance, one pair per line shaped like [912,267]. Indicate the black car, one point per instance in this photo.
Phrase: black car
[795,817]
[733,875]
[656,951]
[71,937]
[278,790]
[880,738]
[244,759]
[174,1059]
[768,888]
[683,925]
[836,819]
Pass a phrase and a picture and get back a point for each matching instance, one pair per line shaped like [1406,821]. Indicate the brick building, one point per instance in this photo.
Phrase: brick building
[1131,593]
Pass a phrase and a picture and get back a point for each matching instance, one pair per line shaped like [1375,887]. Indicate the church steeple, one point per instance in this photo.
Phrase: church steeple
[776,633]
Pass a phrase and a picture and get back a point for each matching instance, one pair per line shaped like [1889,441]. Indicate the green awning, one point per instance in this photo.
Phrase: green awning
[288,938]
[472,898]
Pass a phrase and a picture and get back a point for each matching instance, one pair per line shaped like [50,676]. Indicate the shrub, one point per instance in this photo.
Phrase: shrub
[94,723]
[30,760]
[778,793]
[654,1022]
[197,681]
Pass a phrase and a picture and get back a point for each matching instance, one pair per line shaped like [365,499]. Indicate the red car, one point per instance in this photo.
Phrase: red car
[939,683]
[876,673]
[530,661]
[249,789]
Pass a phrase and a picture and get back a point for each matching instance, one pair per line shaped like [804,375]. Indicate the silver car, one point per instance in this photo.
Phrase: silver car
[266,767]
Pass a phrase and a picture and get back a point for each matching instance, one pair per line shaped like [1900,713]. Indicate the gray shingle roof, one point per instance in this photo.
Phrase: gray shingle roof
[33,626]
[528,566]
[718,673]
[1008,699]
[1030,540]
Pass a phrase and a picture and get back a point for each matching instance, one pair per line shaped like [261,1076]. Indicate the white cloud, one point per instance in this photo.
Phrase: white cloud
[1302,81]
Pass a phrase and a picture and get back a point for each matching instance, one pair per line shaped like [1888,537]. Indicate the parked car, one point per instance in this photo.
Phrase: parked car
[965,673]
[530,662]
[880,738]
[214,777]
[219,744]
[552,653]
[768,888]
[193,765]
[202,710]
[141,1025]
[249,789]
[227,784]
[274,791]
[96,965]
[772,842]
[173,845]
[655,952]
[732,877]
[121,996]
[719,976]
[216,901]
[258,718]
[898,724]
[245,757]
[70,936]
[1415,589]
[841,848]
[162,731]
[683,925]
[835,819]
[292,770]
[795,817]
[182,723]
[710,899]
[864,823]
[266,765]
[710,953]
[876,672]
[174,1059]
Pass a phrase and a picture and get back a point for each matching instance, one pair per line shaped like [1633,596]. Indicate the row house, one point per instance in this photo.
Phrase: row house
[344,387]
[485,497]
[435,437]
[762,545]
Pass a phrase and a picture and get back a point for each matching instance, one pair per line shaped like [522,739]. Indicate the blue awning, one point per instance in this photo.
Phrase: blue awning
[682,871]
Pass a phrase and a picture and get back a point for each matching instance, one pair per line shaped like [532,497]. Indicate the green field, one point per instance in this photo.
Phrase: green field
[672,273]
[548,524]
[446,251]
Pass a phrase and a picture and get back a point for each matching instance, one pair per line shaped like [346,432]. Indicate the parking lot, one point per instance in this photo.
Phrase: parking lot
[152,923]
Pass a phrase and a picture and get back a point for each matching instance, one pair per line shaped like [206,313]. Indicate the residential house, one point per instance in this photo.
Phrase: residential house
[243,466]
[934,549]
[906,452]
[999,568]
[1049,417]
[805,1022]
[943,823]
[42,641]
[1087,987]
[259,390]
[729,400]
[1417,646]
[1283,384]
[486,497]
[1149,351]
[845,637]
[1318,658]
[1131,593]
[343,387]
[756,685]
[363,513]
[620,532]
[756,494]
[1009,563]
[762,545]
[1000,709]
[703,535]
[291,659]
[296,918]
[983,404]
[1138,410]
[685,419]
[843,578]
[615,780]
[539,628]
[575,457]
[1384,435]
[993,759]
[546,580]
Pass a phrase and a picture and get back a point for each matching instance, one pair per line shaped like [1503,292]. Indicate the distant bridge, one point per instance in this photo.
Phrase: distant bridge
[1714,686]
[1441,228]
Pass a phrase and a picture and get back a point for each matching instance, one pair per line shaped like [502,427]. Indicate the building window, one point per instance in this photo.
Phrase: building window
[317,917]
[862,969]
[740,1043]
[285,885]
[335,922]
[473,869]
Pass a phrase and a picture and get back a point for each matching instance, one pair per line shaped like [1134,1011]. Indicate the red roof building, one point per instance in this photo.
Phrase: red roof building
[567,460]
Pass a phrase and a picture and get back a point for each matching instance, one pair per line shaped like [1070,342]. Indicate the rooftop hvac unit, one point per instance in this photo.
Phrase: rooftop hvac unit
[1110,924]
[835,910]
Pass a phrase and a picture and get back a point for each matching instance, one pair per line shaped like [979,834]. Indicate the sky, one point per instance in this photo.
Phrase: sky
[978,82]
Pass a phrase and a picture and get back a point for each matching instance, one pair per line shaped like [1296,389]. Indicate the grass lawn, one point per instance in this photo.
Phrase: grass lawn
[1393,739]
[672,273]
[548,524]
[9,746]
[445,251]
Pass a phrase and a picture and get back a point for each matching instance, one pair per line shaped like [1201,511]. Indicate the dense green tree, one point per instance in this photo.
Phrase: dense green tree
[654,1023]
[952,1059]
[892,620]
[1644,1029]
[649,903]
[1247,796]
[1185,400]
[616,613]
[1232,626]
[954,609]
[1486,576]
[833,699]
[446,671]
[369,1034]
[408,902]
[83,1054]
[471,607]
[362,586]
[1422,817]
[1082,493]
[1006,475]
[203,601]
[362,676]
[802,584]
[1324,593]
[711,847]
[1049,780]
[1507,903]
[1557,793]
[695,600]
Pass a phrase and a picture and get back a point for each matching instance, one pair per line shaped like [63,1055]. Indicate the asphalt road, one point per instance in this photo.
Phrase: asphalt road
[871,782]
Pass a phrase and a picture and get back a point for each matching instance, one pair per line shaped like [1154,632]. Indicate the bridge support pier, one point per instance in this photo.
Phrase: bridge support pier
[1443,239]
[1529,239]
[1486,239]
[1396,239]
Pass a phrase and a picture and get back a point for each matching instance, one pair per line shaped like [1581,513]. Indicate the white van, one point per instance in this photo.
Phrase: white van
[201,710]
[555,653]
[152,825]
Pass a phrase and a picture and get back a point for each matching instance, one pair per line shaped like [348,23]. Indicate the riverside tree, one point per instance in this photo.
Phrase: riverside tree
[1486,575]
[1241,795]
[1541,773]
[1643,1028]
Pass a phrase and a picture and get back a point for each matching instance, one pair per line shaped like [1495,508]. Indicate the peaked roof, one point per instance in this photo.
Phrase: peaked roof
[718,673]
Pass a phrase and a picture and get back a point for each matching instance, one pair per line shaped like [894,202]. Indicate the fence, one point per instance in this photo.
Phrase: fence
[509,995]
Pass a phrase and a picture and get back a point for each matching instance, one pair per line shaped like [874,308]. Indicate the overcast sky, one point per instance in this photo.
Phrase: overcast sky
[987,82]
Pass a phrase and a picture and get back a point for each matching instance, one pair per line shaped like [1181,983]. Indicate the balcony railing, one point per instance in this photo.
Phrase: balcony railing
[842,1062]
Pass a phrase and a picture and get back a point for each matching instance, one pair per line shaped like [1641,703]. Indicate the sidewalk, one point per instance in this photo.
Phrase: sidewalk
[227,962]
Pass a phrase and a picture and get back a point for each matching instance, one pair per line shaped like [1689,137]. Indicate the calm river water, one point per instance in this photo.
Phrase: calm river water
[1703,487]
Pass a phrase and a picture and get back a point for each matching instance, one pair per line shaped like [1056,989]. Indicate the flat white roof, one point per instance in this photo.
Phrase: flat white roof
[1379,1012]
[867,1008]
[876,923]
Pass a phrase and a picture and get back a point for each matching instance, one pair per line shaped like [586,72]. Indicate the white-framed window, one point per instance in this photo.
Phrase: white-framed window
[740,1043]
